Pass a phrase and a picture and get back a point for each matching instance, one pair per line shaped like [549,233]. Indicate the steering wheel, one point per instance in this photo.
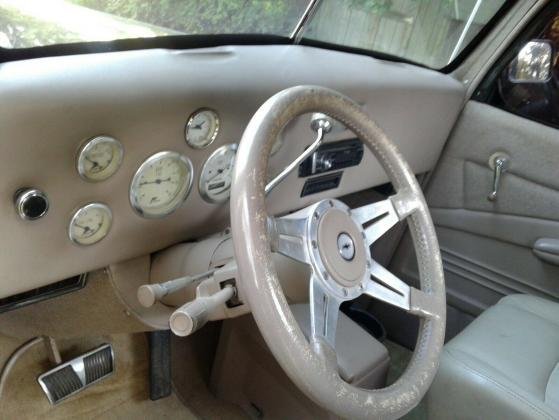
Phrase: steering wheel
[334,241]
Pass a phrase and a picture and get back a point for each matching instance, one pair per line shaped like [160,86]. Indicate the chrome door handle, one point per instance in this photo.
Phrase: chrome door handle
[500,165]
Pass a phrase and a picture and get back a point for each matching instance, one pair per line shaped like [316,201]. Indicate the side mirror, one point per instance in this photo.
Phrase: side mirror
[533,64]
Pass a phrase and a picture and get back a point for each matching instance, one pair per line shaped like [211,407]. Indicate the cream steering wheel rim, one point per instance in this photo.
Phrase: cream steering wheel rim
[311,364]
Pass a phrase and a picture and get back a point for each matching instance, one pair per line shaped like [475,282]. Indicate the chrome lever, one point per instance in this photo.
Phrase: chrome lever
[321,124]
[500,164]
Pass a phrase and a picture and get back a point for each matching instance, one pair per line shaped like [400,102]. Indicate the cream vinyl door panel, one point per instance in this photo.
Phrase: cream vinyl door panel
[488,247]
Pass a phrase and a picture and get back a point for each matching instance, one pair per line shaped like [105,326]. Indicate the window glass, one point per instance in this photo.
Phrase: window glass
[32,23]
[430,32]
[536,94]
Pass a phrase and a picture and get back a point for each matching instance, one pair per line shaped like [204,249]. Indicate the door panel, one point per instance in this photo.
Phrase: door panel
[488,247]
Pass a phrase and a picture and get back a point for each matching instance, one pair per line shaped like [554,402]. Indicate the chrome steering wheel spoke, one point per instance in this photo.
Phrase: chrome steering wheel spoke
[288,237]
[324,308]
[385,286]
[381,216]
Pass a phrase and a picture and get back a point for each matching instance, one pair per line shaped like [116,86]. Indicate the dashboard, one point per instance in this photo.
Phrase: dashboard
[107,157]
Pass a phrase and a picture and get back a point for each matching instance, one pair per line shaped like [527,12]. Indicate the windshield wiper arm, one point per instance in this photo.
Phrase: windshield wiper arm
[297,32]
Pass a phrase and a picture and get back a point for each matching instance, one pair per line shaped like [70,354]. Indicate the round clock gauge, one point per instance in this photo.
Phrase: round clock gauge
[161,184]
[99,158]
[90,224]
[202,128]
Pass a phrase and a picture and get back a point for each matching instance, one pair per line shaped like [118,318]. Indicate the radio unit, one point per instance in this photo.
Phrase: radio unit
[332,156]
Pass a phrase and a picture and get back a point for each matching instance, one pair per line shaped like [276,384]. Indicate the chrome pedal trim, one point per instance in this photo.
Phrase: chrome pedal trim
[71,377]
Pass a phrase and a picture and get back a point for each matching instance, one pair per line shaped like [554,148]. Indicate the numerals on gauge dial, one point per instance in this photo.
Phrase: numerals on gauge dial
[161,184]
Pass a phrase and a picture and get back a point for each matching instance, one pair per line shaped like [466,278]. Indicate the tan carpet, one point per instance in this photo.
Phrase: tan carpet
[124,395]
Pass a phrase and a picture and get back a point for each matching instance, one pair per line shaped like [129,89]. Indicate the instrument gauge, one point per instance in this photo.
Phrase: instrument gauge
[90,224]
[217,174]
[161,184]
[202,128]
[99,158]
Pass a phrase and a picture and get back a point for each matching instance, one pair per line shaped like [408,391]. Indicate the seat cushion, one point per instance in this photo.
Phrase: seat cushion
[504,365]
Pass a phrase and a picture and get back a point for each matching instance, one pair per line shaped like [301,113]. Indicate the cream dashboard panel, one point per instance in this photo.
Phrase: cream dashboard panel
[50,106]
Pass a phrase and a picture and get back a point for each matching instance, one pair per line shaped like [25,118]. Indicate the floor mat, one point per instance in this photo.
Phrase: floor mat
[399,359]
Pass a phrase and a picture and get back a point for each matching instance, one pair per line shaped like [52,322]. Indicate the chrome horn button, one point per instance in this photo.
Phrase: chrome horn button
[337,249]
[346,246]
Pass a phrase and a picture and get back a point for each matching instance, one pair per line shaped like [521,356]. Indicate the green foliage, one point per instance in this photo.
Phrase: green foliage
[19,31]
[207,16]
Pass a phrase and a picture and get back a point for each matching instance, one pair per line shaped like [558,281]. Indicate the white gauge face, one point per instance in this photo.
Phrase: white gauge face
[90,224]
[161,184]
[202,128]
[99,158]
[217,174]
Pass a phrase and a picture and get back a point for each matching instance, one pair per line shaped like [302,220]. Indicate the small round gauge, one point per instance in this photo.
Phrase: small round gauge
[99,158]
[90,224]
[217,174]
[202,128]
[161,184]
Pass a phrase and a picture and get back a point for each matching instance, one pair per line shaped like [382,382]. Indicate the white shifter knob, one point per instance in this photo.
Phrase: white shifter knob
[194,315]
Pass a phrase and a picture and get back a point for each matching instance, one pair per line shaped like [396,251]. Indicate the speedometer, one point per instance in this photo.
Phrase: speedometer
[217,174]
[161,184]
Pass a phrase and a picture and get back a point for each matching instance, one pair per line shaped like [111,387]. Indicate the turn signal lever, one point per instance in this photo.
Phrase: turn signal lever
[148,294]
[194,315]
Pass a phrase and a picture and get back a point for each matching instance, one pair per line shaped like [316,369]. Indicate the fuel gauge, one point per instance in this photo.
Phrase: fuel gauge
[90,224]
[217,174]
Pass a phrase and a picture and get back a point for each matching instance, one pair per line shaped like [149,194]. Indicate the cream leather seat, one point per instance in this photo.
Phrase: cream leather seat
[502,366]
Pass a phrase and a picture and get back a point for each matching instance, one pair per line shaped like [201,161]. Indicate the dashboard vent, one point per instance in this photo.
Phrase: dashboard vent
[42,293]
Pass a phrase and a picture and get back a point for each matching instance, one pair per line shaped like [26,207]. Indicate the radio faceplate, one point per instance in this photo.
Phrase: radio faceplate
[332,157]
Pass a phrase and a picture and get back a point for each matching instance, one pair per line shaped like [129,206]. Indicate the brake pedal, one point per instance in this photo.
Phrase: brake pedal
[71,377]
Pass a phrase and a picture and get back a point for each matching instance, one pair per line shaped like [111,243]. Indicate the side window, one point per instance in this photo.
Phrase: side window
[526,81]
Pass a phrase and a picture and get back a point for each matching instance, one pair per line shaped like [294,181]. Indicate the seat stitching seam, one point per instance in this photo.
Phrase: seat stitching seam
[500,386]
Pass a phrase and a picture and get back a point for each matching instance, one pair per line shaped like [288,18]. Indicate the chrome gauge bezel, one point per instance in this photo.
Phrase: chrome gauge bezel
[82,209]
[213,135]
[133,196]
[201,188]
[88,145]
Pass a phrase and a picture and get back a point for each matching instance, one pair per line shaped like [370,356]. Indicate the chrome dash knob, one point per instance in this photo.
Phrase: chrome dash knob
[31,203]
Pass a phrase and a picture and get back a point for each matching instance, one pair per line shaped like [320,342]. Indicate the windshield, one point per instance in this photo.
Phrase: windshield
[429,32]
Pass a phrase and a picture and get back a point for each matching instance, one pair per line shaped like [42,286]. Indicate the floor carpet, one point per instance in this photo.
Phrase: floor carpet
[399,359]
[124,395]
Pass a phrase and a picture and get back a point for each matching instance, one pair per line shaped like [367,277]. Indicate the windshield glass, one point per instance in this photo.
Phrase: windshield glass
[32,23]
[429,32]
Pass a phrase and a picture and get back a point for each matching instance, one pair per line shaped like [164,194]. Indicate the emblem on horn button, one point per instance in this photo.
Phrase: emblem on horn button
[346,247]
